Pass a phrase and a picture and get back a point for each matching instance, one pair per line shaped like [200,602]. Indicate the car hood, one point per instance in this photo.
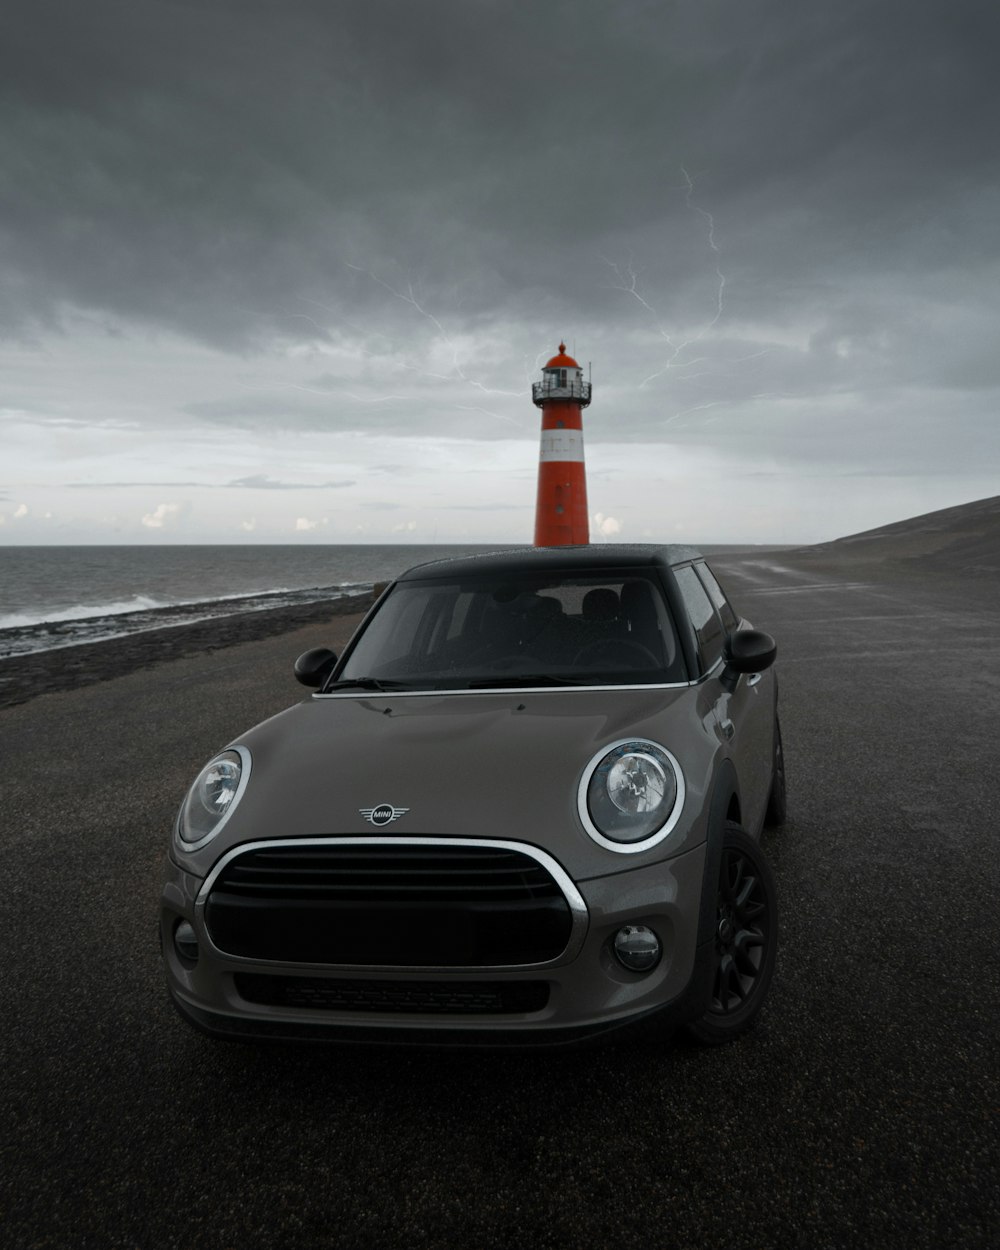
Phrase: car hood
[500,765]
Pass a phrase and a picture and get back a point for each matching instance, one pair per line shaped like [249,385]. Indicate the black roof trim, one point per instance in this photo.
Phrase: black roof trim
[591,557]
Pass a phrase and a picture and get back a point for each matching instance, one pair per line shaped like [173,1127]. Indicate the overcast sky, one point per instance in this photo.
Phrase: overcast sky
[284,270]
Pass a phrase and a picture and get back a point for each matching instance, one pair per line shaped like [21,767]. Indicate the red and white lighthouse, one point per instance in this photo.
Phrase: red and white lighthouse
[561,511]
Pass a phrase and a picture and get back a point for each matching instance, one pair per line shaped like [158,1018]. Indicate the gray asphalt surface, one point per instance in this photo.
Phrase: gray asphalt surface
[863,1110]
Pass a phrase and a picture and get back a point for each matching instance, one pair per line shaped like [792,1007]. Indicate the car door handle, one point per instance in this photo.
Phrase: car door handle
[753,679]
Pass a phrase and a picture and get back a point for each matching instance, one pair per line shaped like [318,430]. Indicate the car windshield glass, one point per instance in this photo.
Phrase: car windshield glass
[505,630]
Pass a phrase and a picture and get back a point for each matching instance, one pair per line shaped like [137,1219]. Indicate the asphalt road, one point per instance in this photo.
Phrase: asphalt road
[862,1111]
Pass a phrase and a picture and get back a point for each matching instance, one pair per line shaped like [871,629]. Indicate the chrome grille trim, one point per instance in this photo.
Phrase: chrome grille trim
[578,909]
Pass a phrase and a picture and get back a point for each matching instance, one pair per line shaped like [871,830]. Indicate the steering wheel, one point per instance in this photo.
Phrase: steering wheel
[616,649]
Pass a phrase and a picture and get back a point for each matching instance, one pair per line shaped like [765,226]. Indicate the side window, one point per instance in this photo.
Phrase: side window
[707,626]
[715,592]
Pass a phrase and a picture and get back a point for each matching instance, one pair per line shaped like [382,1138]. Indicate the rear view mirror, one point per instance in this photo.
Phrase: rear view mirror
[312,668]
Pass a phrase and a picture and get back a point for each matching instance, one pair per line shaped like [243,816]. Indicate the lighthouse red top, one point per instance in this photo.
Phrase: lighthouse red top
[562,361]
[562,384]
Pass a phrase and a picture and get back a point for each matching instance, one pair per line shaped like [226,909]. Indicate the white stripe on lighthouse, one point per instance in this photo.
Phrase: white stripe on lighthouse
[561,445]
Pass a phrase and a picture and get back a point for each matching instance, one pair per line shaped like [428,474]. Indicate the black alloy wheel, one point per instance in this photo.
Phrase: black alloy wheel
[746,940]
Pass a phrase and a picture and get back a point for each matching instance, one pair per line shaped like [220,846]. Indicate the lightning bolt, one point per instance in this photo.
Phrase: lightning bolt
[680,361]
[312,321]
[720,294]
[696,408]
[409,297]
[632,288]
[531,371]
[337,316]
[716,403]
[628,282]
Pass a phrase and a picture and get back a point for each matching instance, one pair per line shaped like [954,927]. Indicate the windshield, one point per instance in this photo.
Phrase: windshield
[502,630]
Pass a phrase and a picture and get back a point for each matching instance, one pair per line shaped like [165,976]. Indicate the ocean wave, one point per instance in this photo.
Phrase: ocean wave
[82,612]
[146,603]
[24,633]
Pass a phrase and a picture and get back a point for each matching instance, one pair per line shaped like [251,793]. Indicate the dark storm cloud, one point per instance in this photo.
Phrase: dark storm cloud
[217,168]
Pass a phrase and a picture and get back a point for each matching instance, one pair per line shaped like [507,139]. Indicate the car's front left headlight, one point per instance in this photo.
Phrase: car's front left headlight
[631,795]
[213,797]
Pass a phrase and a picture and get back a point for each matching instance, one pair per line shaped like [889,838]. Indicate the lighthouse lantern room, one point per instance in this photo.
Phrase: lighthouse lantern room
[561,512]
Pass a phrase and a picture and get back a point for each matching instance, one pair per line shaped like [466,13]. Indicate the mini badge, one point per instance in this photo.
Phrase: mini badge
[384,814]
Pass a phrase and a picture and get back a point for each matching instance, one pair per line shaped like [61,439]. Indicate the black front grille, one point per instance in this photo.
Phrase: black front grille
[421,997]
[388,905]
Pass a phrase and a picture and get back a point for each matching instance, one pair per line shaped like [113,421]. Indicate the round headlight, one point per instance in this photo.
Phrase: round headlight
[216,791]
[631,795]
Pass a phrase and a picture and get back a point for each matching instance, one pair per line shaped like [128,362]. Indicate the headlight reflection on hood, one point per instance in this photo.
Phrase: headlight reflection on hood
[213,797]
[631,795]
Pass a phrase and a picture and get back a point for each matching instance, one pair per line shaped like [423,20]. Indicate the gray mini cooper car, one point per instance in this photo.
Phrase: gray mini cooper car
[523,806]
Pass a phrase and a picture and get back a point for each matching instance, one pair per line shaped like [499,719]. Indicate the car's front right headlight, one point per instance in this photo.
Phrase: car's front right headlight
[213,797]
[631,795]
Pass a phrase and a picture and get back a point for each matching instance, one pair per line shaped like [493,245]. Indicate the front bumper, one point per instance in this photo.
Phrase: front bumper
[585,993]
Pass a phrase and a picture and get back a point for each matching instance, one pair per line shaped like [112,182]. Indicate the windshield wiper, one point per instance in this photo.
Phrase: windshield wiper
[366,683]
[522,679]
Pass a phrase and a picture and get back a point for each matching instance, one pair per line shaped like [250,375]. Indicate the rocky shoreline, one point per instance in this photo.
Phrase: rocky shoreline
[66,668]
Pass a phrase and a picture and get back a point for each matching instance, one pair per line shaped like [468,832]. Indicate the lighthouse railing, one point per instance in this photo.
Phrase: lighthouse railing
[545,391]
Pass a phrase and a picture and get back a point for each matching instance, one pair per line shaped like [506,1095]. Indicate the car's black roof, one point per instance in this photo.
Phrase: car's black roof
[580,559]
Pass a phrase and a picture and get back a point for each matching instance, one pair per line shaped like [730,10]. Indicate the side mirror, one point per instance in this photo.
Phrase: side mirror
[312,668]
[746,651]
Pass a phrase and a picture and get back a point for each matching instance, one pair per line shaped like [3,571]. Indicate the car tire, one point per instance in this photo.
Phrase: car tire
[746,941]
[777,803]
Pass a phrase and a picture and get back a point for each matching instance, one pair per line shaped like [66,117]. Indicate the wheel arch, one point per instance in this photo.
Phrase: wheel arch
[725,800]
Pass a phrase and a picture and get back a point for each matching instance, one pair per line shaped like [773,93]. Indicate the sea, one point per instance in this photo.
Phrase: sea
[65,596]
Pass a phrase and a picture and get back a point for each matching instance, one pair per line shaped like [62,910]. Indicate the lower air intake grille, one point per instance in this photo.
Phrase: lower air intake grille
[423,997]
[388,905]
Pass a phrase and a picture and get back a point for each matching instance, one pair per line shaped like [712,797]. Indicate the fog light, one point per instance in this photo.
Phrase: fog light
[637,948]
[186,942]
